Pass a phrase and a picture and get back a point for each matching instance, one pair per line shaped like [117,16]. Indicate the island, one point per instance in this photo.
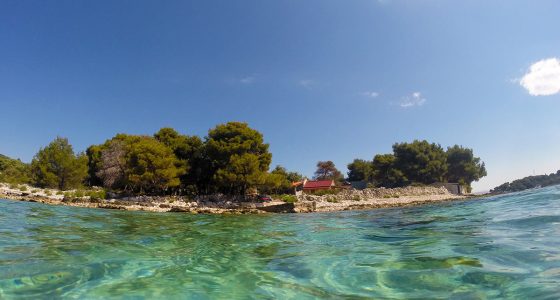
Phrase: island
[229,172]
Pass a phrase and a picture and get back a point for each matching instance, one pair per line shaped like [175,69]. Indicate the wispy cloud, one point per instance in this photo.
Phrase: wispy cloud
[415,99]
[247,80]
[307,83]
[542,78]
[370,94]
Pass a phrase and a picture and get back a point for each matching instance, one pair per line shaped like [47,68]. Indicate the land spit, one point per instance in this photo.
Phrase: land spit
[222,204]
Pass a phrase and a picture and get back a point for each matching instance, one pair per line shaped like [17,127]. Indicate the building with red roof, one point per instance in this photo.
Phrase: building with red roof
[316,185]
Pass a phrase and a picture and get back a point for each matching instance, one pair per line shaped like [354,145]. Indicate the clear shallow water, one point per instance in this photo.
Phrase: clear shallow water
[502,247]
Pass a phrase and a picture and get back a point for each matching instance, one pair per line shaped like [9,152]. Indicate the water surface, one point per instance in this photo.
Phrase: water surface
[505,247]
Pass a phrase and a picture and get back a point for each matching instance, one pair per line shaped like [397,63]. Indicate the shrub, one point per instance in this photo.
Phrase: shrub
[48,193]
[60,193]
[356,198]
[35,191]
[289,198]
[14,186]
[23,188]
[97,195]
[79,194]
[332,199]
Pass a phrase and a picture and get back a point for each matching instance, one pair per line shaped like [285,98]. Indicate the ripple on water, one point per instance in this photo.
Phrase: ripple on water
[501,247]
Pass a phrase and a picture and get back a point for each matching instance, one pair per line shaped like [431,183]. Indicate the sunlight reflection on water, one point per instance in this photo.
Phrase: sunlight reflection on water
[500,247]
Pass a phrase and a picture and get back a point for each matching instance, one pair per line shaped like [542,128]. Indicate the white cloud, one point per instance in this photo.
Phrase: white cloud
[543,78]
[415,99]
[247,80]
[306,83]
[370,94]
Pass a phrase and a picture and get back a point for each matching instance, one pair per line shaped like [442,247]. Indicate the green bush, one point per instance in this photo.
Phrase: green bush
[60,193]
[14,186]
[289,198]
[48,193]
[97,195]
[332,199]
[356,198]
[79,194]
[23,188]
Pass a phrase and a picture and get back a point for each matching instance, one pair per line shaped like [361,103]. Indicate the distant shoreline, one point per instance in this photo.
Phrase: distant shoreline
[219,204]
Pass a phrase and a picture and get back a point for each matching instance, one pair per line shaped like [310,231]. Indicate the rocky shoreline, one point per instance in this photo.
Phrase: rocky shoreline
[221,204]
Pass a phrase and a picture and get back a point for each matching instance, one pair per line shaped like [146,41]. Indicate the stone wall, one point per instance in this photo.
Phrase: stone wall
[377,193]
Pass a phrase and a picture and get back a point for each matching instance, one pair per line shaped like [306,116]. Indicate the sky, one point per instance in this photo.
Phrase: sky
[321,79]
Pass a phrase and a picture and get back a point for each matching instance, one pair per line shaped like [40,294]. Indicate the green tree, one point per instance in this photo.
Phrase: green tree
[133,163]
[106,162]
[93,154]
[188,150]
[289,176]
[242,172]
[279,181]
[56,166]
[235,147]
[13,170]
[463,167]
[151,166]
[326,170]
[360,170]
[385,174]
[420,161]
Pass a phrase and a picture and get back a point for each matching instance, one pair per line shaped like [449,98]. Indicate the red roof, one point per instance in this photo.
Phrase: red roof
[318,184]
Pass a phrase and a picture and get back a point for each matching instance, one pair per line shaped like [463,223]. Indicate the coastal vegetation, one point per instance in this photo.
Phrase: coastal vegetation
[57,166]
[528,182]
[232,159]
[419,163]
[326,170]
[13,170]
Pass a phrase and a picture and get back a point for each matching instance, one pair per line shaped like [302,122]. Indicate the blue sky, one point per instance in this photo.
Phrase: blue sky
[321,79]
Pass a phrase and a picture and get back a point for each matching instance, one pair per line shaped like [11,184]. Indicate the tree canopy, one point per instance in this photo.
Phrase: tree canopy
[326,170]
[236,154]
[528,182]
[385,173]
[463,167]
[419,162]
[232,159]
[360,170]
[279,181]
[188,150]
[57,166]
[151,166]
[14,170]
[136,164]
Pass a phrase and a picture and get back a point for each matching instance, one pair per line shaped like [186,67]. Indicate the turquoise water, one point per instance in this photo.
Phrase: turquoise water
[504,247]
